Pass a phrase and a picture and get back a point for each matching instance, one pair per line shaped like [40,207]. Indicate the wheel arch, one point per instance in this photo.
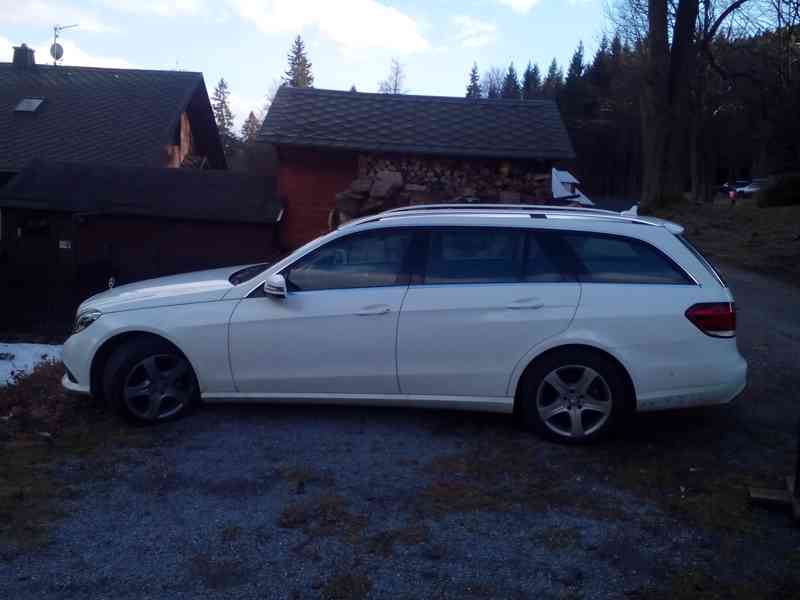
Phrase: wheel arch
[110,345]
[624,371]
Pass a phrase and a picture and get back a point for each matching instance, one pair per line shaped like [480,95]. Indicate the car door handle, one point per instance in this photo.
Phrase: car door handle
[527,304]
[371,311]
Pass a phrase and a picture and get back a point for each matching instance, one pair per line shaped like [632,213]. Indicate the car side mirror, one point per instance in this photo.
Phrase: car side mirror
[275,285]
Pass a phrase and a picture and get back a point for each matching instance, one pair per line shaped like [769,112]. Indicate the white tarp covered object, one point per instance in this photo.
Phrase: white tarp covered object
[563,182]
[16,358]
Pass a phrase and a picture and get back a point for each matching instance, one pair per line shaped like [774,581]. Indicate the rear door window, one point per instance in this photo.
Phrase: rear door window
[605,258]
[474,255]
[546,261]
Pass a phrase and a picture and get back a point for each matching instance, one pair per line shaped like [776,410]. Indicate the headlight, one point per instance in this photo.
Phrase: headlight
[84,319]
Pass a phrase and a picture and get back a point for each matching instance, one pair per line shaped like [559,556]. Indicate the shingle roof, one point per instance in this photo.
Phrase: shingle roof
[119,116]
[530,129]
[144,191]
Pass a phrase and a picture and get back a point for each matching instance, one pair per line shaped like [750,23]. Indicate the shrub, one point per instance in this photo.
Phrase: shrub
[785,192]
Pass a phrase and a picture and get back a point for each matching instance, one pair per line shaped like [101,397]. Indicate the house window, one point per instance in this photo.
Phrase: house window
[28,105]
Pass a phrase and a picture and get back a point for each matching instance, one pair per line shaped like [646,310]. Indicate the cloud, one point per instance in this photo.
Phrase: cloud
[520,6]
[472,32]
[73,55]
[50,12]
[161,8]
[352,24]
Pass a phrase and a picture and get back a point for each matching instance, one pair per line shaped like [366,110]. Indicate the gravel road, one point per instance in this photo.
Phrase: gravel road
[310,502]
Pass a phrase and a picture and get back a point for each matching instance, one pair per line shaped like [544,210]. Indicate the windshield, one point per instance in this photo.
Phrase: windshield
[248,273]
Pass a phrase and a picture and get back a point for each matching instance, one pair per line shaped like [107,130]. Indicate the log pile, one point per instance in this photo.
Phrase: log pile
[388,182]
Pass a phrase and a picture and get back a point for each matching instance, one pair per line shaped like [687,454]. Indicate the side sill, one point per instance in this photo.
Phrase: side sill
[478,403]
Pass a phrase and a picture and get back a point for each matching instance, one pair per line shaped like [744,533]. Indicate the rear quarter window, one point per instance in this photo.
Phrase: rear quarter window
[603,258]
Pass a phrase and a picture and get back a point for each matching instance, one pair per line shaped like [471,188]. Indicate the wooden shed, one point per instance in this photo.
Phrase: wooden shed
[66,229]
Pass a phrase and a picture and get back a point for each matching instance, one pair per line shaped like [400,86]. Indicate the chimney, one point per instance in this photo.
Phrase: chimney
[23,57]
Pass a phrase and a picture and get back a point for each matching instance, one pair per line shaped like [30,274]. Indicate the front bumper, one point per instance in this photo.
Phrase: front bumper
[73,387]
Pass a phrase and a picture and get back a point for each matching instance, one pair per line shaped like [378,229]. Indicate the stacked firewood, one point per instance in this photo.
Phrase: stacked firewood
[385,183]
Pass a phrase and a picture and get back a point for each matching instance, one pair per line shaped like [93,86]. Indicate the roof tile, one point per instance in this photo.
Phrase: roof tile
[530,129]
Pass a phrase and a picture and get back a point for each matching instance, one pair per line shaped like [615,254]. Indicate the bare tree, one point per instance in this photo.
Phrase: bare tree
[671,35]
[492,82]
[273,88]
[395,82]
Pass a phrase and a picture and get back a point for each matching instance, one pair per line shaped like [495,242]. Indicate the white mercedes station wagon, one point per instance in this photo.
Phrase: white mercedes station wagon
[566,318]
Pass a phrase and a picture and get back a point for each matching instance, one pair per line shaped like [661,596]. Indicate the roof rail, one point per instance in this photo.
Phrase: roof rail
[537,211]
[498,207]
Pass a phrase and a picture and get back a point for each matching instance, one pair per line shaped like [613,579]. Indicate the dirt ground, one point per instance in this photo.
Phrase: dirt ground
[764,240]
[309,502]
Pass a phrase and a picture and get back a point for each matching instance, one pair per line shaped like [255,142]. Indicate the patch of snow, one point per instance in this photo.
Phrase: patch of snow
[15,358]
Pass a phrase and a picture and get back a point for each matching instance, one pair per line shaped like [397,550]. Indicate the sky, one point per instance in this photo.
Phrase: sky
[349,42]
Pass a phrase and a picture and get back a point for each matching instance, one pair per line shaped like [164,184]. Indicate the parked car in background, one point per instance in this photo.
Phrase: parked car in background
[569,318]
[737,185]
[752,188]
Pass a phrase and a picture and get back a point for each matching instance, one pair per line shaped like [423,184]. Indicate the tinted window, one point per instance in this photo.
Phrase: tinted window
[542,259]
[479,255]
[364,260]
[703,260]
[613,259]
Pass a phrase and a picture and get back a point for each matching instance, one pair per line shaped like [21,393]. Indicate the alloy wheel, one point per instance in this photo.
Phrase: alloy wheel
[574,401]
[159,387]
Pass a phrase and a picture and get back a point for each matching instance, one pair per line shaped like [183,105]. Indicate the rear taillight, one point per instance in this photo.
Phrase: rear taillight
[717,319]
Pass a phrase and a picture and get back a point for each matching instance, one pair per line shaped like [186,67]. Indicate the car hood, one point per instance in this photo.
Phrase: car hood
[200,286]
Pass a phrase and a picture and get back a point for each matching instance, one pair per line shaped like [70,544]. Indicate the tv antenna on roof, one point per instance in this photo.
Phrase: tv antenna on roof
[57,50]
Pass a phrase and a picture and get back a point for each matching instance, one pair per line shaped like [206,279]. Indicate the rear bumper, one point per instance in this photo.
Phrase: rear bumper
[709,395]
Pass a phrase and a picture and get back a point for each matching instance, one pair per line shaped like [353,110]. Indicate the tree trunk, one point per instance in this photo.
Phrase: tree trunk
[665,101]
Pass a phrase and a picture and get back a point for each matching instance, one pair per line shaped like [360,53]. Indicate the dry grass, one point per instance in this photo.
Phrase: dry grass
[383,543]
[217,573]
[506,474]
[40,427]
[697,585]
[559,539]
[346,586]
[326,516]
[766,240]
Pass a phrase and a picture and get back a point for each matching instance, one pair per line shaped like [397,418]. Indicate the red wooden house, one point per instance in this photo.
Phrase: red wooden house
[333,143]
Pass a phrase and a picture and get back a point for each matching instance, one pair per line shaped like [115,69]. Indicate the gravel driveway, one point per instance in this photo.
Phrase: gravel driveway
[309,502]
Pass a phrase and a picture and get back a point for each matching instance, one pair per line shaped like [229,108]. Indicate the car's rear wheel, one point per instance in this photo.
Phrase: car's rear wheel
[573,396]
[148,381]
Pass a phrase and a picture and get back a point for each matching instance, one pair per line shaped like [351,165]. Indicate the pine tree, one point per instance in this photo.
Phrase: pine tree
[220,103]
[511,89]
[250,128]
[599,72]
[575,71]
[299,72]
[554,81]
[531,82]
[474,87]
[617,51]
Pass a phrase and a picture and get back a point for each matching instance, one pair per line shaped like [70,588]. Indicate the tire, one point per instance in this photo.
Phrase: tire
[573,396]
[148,381]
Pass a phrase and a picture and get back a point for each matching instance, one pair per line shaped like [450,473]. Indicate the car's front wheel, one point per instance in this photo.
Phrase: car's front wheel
[147,380]
[573,396]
